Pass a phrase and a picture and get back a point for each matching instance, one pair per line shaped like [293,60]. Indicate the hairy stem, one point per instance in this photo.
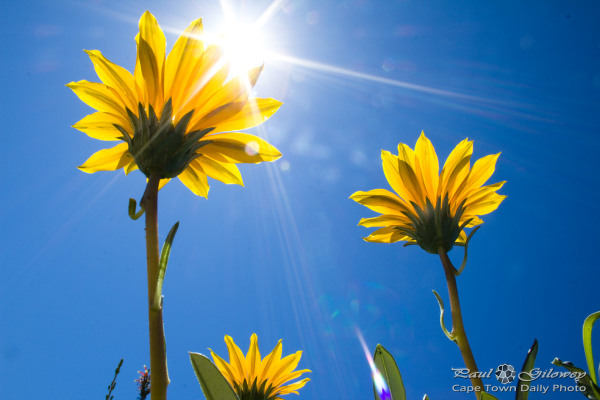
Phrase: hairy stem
[458,329]
[158,351]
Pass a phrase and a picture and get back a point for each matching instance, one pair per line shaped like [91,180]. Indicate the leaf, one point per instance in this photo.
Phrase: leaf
[386,365]
[527,367]
[162,267]
[487,396]
[589,388]
[587,344]
[213,383]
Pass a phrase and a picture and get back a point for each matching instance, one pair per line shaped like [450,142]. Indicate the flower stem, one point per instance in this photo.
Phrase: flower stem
[158,352]
[458,329]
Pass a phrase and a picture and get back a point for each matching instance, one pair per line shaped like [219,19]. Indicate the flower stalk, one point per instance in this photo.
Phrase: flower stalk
[158,351]
[458,329]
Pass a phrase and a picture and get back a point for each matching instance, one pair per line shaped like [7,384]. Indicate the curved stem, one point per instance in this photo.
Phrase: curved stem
[158,352]
[458,329]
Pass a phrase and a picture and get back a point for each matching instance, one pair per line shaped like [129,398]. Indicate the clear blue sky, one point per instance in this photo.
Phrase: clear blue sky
[283,256]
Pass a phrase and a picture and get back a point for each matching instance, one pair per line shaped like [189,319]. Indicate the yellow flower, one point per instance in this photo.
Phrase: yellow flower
[176,114]
[429,209]
[256,379]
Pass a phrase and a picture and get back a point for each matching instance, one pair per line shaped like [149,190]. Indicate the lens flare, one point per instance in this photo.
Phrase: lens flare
[380,384]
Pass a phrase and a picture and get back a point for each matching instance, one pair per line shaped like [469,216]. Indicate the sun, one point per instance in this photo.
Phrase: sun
[244,46]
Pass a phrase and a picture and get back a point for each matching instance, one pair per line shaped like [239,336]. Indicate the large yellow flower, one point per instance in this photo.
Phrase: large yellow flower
[256,379]
[176,114]
[430,209]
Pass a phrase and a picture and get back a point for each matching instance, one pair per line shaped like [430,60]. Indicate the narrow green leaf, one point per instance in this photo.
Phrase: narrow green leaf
[386,365]
[425,397]
[164,260]
[587,344]
[589,388]
[527,367]
[213,383]
[487,396]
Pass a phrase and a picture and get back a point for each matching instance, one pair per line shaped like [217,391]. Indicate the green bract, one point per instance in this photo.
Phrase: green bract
[160,147]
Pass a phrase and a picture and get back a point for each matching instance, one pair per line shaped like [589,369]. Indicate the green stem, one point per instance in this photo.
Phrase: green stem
[458,329]
[158,352]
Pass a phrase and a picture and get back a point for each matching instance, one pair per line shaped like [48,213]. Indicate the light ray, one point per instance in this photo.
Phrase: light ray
[380,385]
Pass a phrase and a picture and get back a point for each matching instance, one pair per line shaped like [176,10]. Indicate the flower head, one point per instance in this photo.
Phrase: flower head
[256,379]
[429,209]
[176,114]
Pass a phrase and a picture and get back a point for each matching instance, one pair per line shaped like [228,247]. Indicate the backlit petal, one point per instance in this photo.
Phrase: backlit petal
[239,148]
[101,126]
[224,172]
[99,97]
[381,201]
[428,166]
[108,159]
[195,180]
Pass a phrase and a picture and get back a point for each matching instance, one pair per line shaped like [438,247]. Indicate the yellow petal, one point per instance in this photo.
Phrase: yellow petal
[254,112]
[163,182]
[292,388]
[236,90]
[253,358]
[486,205]
[428,166]
[108,159]
[285,366]
[195,180]
[225,369]
[224,172]
[150,72]
[454,167]
[289,376]
[388,234]
[482,171]
[150,60]
[116,77]
[238,147]
[385,220]
[269,362]
[381,201]
[181,61]
[101,126]
[208,77]
[99,97]
[236,357]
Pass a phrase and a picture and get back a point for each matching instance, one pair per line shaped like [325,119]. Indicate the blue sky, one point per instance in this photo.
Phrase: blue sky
[283,256]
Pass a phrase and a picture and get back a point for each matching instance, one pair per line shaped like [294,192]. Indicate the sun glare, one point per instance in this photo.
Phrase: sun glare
[244,47]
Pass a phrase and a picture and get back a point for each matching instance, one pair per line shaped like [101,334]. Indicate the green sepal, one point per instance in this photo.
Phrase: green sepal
[160,147]
[213,383]
[527,368]
[588,324]
[132,206]
[589,388]
[162,267]
[389,371]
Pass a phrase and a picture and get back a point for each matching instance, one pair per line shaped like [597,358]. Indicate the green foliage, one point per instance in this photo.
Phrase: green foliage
[590,390]
[213,383]
[386,365]
[162,266]
[487,396]
[588,381]
[527,367]
[114,381]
